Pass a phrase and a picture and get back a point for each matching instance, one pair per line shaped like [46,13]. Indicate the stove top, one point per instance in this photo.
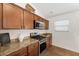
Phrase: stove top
[38,37]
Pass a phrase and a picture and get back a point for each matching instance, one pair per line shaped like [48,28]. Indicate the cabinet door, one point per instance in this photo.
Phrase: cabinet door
[28,20]
[33,49]
[21,52]
[12,16]
[36,17]
[49,42]
[0,15]
[46,24]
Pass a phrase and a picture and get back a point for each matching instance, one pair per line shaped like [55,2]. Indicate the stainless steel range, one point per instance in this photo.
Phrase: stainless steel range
[42,40]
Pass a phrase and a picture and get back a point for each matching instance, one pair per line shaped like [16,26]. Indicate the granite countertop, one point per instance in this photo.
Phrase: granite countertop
[14,46]
[46,34]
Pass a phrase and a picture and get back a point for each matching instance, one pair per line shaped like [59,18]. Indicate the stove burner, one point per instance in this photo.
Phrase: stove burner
[38,37]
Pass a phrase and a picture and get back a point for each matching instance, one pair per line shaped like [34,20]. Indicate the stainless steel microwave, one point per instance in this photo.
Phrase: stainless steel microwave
[38,25]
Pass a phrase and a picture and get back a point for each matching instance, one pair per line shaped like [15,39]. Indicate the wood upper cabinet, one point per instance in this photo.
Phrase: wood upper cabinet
[15,17]
[12,16]
[36,17]
[28,20]
[33,49]
[0,15]
[46,24]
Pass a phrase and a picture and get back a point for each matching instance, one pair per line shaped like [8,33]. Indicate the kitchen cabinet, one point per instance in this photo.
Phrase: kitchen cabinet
[46,24]
[49,41]
[0,15]
[20,52]
[33,49]
[12,16]
[15,17]
[30,50]
[28,20]
[36,17]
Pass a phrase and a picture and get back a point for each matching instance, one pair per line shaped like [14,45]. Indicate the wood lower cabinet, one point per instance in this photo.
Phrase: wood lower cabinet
[0,15]
[33,49]
[28,20]
[30,50]
[49,41]
[21,52]
[12,16]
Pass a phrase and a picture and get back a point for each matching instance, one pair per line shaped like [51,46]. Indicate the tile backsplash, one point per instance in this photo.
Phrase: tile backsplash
[21,33]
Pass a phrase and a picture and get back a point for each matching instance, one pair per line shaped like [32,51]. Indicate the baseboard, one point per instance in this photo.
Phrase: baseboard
[66,51]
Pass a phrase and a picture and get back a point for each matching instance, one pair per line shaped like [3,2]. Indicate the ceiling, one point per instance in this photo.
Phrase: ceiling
[49,10]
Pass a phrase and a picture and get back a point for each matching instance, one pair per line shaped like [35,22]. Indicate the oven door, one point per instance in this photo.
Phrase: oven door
[42,46]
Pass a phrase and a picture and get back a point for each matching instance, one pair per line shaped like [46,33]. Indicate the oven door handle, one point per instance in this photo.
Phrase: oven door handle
[42,42]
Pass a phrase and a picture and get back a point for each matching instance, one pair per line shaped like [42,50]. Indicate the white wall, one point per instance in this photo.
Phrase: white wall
[68,40]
